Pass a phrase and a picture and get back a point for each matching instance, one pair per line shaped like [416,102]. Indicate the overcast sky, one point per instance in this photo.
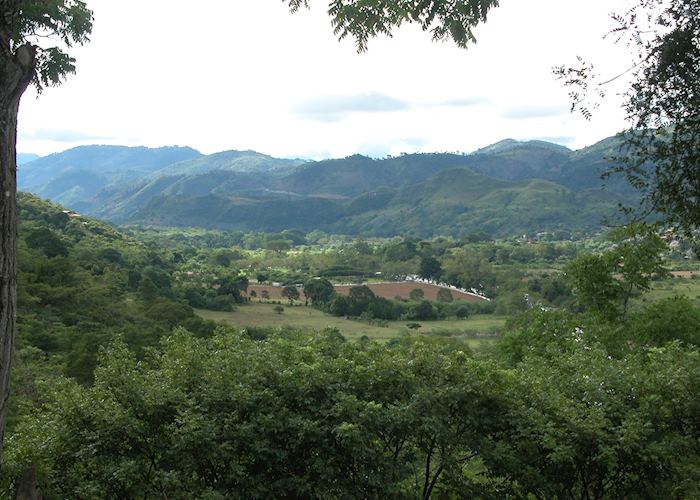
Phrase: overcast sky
[245,74]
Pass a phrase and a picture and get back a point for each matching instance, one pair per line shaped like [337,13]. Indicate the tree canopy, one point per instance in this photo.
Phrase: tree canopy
[35,24]
[34,37]
[605,283]
[365,19]
[663,106]
[661,149]
[315,416]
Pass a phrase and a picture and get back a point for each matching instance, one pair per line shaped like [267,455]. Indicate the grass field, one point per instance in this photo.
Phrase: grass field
[671,287]
[307,318]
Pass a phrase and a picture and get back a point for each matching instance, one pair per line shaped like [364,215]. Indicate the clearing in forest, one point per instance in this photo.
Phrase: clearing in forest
[476,329]
[388,290]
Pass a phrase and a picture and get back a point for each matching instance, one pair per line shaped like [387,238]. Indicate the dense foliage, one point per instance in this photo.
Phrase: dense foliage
[361,302]
[565,413]
[82,284]
[663,106]
[494,269]
[585,397]
[34,39]
[109,403]
[660,151]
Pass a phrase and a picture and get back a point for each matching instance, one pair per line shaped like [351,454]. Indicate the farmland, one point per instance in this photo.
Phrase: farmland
[101,309]
[681,285]
[307,318]
[387,290]
[402,289]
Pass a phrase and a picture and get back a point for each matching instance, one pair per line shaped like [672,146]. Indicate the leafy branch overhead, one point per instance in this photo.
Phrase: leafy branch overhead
[51,27]
[661,153]
[365,19]
[664,105]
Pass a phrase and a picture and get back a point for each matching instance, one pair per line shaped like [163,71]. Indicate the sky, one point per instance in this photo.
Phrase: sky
[246,74]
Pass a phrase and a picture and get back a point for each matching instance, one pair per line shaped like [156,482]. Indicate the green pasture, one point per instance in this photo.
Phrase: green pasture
[308,318]
[672,287]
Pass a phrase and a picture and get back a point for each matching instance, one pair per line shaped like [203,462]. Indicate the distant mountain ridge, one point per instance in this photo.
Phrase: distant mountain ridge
[23,158]
[507,145]
[508,187]
[73,176]
[234,161]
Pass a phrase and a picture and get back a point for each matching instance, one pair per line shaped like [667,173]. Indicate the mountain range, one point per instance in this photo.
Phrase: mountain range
[510,187]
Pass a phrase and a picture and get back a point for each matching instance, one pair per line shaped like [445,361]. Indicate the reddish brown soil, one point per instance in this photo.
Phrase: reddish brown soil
[387,290]
[685,274]
[274,291]
[403,289]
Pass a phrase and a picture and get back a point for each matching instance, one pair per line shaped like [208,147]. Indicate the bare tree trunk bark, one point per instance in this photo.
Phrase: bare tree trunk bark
[8,254]
[16,71]
[28,486]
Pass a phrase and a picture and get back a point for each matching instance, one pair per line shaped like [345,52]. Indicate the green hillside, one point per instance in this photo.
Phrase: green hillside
[460,202]
[119,204]
[452,202]
[507,187]
[358,174]
[81,284]
[586,166]
[230,161]
[514,160]
[221,173]
[74,177]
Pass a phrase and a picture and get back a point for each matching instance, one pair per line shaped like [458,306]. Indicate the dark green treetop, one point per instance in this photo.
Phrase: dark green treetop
[365,19]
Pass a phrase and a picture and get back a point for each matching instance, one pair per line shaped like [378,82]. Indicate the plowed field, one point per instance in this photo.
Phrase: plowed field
[402,289]
[389,290]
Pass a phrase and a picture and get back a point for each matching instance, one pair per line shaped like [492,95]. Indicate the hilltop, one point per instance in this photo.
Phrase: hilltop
[508,187]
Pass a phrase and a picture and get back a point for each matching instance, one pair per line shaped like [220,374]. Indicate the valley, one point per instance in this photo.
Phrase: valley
[337,285]
[476,331]
[179,319]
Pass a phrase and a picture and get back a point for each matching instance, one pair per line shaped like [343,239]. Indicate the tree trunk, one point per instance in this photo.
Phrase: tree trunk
[28,486]
[16,71]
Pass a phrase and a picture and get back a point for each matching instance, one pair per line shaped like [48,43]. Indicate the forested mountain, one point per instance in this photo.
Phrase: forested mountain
[460,201]
[508,187]
[454,202]
[359,174]
[230,161]
[515,160]
[73,177]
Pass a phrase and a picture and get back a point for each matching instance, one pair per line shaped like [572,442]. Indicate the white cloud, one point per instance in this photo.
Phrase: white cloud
[248,75]
[335,108]
[534,111]
[61,136]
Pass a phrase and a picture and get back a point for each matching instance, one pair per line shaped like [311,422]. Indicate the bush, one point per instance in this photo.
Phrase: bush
[172,313]
[444,295]
[665,321]
[423,311]
[462,312]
